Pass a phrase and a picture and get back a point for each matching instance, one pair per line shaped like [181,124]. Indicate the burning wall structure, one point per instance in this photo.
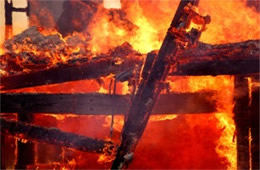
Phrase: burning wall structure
[104,51]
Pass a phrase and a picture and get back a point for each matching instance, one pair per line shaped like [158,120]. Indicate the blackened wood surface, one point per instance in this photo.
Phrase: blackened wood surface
[25,151]
[254,114]
[225,59]
[95,69]
[53,136]
[220,67]
[147,94]
[241,111]
[103,104]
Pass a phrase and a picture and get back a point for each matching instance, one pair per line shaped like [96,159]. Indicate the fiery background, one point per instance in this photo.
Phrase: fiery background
[197,141]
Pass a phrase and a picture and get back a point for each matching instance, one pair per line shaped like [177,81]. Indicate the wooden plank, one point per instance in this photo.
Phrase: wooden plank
[103,104]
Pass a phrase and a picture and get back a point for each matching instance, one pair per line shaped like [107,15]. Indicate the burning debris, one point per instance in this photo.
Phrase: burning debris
[112,47]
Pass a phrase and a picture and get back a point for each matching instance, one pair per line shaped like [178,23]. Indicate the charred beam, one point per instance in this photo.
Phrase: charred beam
[241,111]
[103,104]
[219,67]
[25,151]
[240,50]
[53,136]
[148,92]
[91,70]
[226,59]
[254,125]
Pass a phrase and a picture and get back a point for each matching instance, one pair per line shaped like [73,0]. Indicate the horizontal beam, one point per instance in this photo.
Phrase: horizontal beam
[103,104]
[65,73]
[222,67]
[53,136]
[204,60]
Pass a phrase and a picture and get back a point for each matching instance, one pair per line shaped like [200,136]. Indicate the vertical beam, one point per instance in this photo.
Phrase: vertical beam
[25,151]
[148,91]
[254,125]
[8,19]
[241,110]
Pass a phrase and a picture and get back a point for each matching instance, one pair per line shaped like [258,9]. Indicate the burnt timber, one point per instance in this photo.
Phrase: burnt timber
[254,125]
[53,136]
[64,74]
[103,104]
[241,111]
[226,59]
[148,92]
[25,151]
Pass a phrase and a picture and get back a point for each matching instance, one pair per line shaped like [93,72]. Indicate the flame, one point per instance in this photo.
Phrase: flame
[227,24]
[223,86]
[144,24]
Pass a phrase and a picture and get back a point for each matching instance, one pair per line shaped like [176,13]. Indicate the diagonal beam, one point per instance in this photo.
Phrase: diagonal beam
[149,90]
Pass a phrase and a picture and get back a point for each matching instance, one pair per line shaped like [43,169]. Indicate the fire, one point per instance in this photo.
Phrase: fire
[229,25]
[143,24]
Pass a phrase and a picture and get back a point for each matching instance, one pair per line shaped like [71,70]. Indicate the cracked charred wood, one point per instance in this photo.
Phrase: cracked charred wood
[149,90]
[103,104]
[54,136]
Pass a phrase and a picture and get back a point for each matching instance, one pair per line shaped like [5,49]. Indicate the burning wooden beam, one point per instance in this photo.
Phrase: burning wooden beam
[54,136]
[91,70]
[150,88]
[226,59]
[220,67]
[103,104]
